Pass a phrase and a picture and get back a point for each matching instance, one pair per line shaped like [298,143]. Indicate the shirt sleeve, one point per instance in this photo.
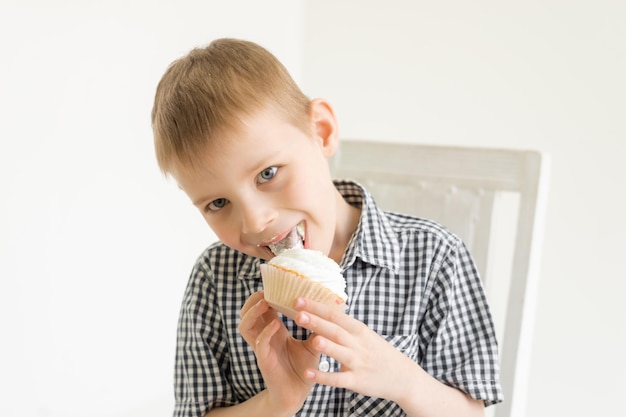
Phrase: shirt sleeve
[457,335]
[202,355]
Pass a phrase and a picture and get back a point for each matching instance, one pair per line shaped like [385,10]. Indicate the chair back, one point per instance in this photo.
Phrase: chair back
[494,199]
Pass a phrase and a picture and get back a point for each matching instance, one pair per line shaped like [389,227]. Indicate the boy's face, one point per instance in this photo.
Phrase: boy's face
[262,181]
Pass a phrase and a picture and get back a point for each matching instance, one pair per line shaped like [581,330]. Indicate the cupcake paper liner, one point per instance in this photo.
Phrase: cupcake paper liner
[281,288]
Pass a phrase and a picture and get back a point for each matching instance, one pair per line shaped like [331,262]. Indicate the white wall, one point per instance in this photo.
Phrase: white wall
[95,246]
[545,74]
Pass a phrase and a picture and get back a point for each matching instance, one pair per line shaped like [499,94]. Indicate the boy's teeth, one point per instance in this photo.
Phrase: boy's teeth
[300,231]
[294,239]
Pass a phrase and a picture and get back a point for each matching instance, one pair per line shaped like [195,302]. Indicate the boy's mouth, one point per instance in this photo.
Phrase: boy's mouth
[294,239]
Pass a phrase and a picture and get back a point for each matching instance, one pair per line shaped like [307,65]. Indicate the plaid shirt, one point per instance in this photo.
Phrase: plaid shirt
[408,279]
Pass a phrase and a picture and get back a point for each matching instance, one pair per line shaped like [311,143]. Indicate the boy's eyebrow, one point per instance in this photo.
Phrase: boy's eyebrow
[197,201]
[200,200]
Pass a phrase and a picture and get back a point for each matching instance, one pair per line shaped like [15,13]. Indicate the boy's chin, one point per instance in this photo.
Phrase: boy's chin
[266,256]
[262,253]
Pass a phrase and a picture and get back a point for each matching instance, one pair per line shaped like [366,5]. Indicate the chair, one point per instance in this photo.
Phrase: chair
[495,200]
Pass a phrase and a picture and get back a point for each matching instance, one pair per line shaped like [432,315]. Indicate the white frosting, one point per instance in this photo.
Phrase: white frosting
[315,266]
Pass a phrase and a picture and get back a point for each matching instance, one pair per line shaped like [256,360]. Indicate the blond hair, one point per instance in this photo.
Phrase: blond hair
[204,95]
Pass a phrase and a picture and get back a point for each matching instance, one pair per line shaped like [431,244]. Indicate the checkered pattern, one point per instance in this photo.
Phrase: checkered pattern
[408,279]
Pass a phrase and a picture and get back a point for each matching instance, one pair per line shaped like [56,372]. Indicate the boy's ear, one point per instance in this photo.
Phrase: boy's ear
[325,129]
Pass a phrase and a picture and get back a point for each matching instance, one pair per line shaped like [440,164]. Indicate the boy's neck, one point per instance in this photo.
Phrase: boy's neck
[347,221]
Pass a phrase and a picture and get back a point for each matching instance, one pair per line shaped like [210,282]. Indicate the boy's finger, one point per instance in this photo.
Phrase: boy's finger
[262,343]
[340,353]
[331,314]
[254,320]
[323,327]
[250,302]
[333,379]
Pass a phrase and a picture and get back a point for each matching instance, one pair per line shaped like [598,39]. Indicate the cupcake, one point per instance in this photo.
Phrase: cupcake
[298,272]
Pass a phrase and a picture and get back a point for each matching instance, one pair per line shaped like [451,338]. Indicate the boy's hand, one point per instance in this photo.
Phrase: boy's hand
[369,364]
[282,359]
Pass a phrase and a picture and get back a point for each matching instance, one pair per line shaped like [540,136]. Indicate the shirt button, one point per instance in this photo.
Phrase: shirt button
[324,366]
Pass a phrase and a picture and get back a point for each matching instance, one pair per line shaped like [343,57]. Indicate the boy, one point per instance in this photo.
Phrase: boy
[250,150]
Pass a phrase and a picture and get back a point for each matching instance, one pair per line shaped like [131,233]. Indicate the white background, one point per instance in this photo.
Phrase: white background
[96,247]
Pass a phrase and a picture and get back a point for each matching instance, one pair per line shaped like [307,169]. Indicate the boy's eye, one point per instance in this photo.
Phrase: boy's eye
[267,174]
[217,204]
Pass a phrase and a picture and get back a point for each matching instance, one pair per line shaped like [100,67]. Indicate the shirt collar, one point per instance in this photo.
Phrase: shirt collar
[374,240]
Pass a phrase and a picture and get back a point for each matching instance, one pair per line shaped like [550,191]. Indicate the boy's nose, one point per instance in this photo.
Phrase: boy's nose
[255,218]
